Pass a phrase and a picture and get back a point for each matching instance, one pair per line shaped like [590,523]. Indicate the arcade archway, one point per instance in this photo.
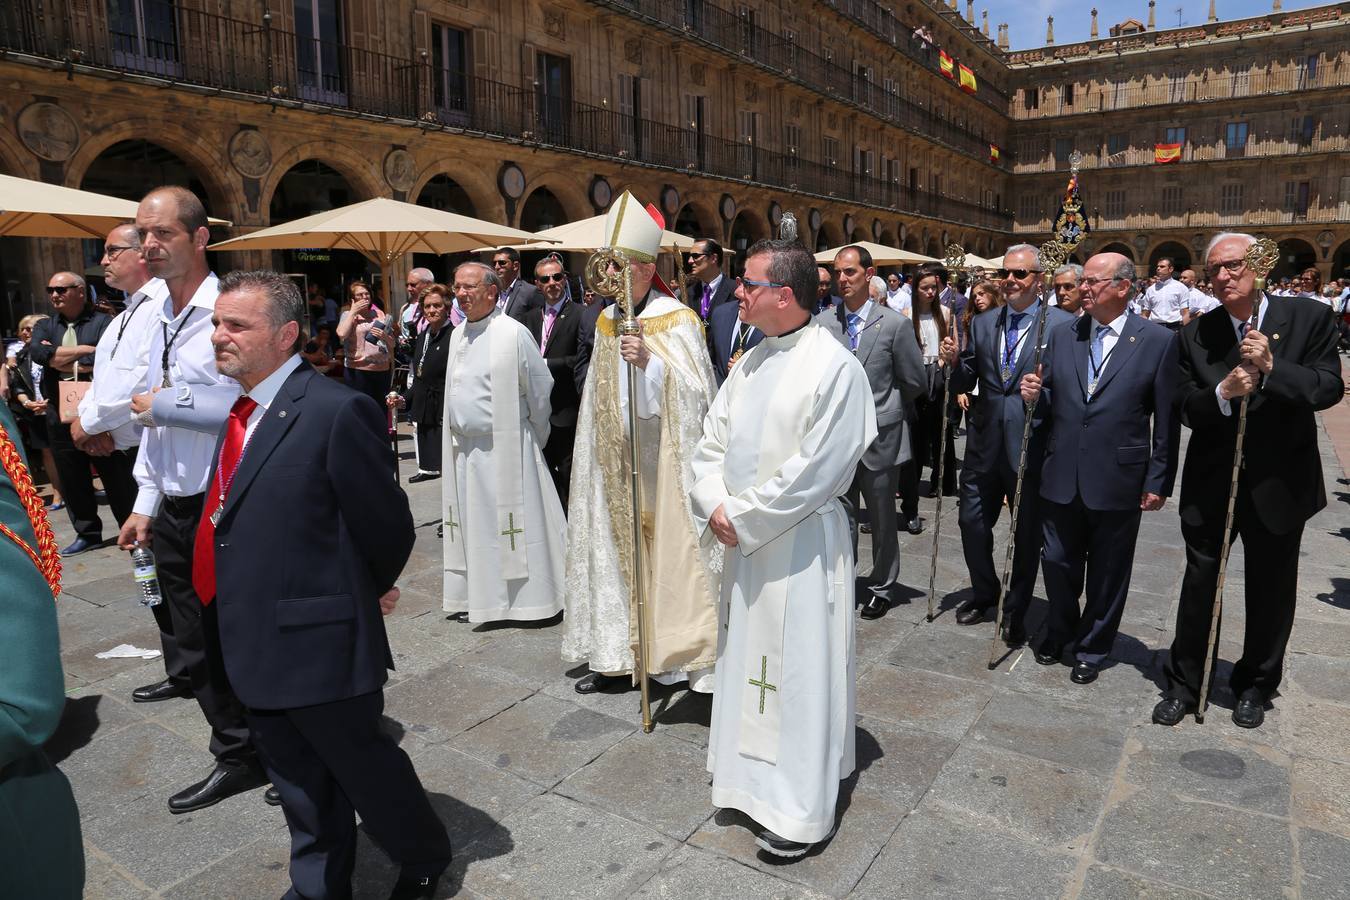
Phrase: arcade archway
[310,187]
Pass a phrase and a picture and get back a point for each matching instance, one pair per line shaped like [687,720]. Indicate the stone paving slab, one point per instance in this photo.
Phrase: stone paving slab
[971,783]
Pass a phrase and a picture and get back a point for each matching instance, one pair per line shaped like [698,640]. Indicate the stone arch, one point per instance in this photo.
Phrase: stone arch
[355,168]
[911,243]
[479,202]
[1179,253]
[748,227]
[306,187]
[1120,247]
[934,248]
[569,191]
[15,160]
[887,238]
[1340,261]
[859,235]
[1296,254]
[696,221]
[205,160]
[542,209]
[829,235]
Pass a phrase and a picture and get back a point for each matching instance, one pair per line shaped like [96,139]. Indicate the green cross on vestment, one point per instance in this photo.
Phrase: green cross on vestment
[511,529]
[451,524]
[763,683]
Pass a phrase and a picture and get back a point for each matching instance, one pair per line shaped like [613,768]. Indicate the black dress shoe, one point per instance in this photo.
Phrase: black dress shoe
[1049,655]
[461,616]
[1014,634]
[1083,673]
[168,689]
[915,525]
[226,780]
[79,545]
[1170,711]
[1249,713]
[875,607]
[865,528]
[599,681]
[781,847]
[423,476]
[272,797]
[415,887]
[970,612]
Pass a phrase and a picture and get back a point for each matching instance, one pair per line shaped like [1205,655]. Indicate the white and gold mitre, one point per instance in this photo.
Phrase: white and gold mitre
[632,230]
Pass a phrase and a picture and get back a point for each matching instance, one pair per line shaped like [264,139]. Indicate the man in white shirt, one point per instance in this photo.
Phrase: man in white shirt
[1167,302]
[1200,302]
[185,404]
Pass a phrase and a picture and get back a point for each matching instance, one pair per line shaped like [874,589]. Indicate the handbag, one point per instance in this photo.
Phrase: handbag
[72,392]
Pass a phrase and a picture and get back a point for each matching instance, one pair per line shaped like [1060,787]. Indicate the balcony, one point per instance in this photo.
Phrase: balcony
[1335,213]
[759,46]
[1217,151]
[1165,92]
[276,66]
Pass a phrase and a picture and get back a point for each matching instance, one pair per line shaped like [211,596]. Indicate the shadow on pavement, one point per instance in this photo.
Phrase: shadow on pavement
[79,723]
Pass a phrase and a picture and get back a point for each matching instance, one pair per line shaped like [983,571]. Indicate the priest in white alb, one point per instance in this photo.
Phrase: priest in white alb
[675,385]
[780,444]
[504,531]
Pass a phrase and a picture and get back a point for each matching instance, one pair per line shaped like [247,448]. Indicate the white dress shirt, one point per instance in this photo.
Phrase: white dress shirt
[120,363]
[1201,302]
[1114,329]
[175,456]
[1226,406]
[1165,300]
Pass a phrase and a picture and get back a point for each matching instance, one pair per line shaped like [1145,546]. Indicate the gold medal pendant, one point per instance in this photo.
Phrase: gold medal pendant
[215,516]
[1006,372]
[166,381]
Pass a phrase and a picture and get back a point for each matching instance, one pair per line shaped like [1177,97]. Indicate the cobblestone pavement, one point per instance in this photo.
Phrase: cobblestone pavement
[971,783]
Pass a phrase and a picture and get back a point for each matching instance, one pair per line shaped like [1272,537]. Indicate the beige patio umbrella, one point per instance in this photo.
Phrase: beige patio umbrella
[979,262]
[383,231]
[881,255]
[36,209]
[585,236]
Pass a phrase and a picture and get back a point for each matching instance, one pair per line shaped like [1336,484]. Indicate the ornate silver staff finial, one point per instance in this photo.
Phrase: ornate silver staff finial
[787,227]
[1075,162]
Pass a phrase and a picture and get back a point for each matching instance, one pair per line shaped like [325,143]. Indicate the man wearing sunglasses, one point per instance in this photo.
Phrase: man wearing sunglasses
[516,294]
[1109,381]
[1287,365]
[60,343]
[709,288]
[885,343]
[1000,349]
[554,327]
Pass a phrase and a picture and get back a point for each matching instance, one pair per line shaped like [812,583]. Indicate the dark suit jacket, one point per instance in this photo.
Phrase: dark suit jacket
[426,395]
[47,335]
[1124,440]
[586,341]
[313,532]
[561,356]
[889,354]
[722,324]
[995,421]
[725,293]
[523,296]
[1282,469]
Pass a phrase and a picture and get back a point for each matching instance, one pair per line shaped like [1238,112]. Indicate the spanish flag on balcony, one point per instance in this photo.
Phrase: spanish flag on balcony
[967,79]
[947,64]
[1166,153]
[993,153]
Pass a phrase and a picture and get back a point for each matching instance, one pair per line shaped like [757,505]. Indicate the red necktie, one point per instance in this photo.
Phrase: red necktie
[204,546]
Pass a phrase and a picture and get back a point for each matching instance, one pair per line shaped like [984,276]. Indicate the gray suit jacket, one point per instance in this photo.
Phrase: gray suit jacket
[889,353]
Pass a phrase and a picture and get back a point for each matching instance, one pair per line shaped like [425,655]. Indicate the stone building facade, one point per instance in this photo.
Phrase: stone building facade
[725,114]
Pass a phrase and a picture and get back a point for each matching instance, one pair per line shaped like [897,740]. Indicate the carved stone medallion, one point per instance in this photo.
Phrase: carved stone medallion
[249,153]
[48,131]
[400,170]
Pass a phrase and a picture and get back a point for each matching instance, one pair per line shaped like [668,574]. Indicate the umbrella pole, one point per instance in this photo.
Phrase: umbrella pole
[393,364]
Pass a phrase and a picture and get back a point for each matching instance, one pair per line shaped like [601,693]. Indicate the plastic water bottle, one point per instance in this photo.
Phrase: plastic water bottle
[143,571]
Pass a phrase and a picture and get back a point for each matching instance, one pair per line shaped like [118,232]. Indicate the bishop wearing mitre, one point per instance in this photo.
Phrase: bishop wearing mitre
[675,384]
[504,532]
[780,444]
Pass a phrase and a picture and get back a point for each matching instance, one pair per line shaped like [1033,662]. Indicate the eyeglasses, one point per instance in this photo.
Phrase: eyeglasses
[751,283]
[1232,267]
[694,256]
[1093,282]
[1016,273]
[112,251]
[60,288]
[499,263]
[556,276]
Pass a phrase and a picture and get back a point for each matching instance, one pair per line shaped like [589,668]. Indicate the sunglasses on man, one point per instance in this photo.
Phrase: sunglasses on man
[556,276]
[60,289]
[1015,273]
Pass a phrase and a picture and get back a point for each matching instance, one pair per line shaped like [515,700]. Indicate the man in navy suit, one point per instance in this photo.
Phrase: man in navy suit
[555,327]
[729,338]
[302,536]
[1109,380]
[999,352]
[709,287]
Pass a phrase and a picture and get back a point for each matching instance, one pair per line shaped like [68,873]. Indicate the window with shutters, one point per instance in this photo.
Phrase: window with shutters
[630,115]
[1242,81]
[747,33]
[1302,129]
[1235,138]
[696,149]
[862,84]
[693,14]
[1028,209]
[1171,200]
[790,47]
[144,35]
[1067,93]
[1031,98]
[450,70]
[864,162]
[318,51]
[1115,204]
[792,139]
[1176,87]
[1230,199]
[1175,135]
[553,95]
[829,148]
[1296,198]
[1117,144]
[1063,149]
[891,97]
